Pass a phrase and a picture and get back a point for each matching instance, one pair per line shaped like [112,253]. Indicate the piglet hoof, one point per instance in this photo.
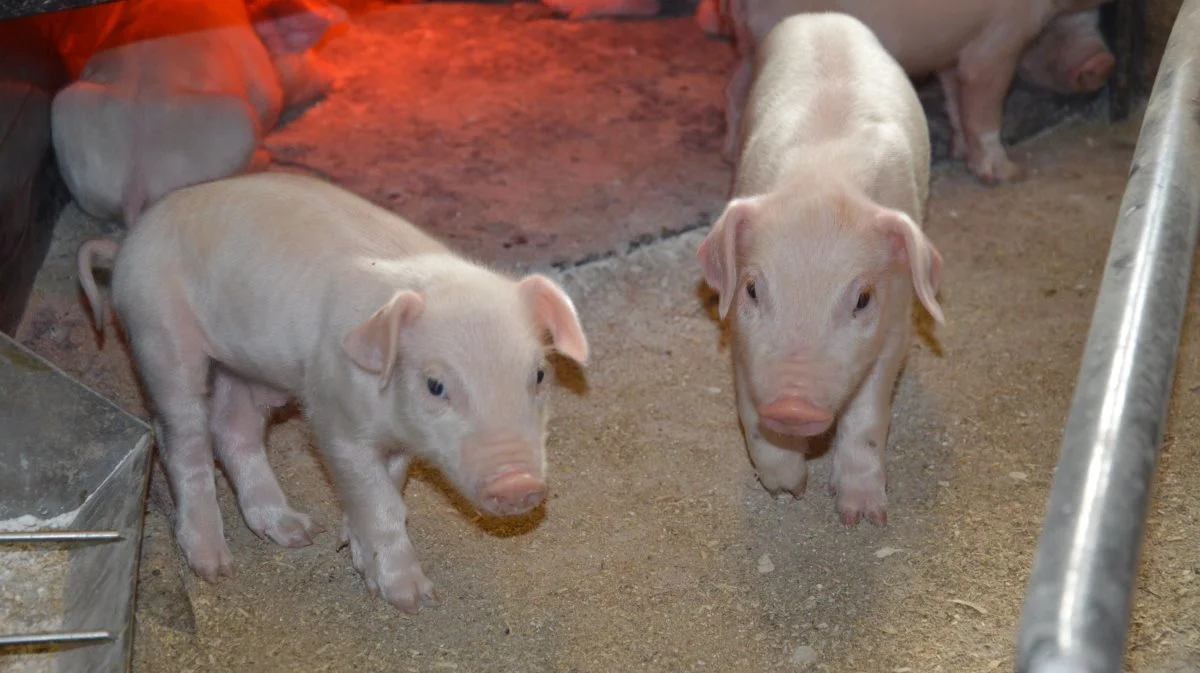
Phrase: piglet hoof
[785,481]
[997,170]
[397,577]
[211,562]
[784,492]
[862,498]
[393,573]
[282,525]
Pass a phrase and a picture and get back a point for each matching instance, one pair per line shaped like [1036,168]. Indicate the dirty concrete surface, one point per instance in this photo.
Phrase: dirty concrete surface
[527,140]
[657,549]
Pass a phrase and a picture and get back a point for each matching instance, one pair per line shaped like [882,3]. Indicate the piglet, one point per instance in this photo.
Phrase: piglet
[974,46]
[183,91]
[816,257]
[281,286]
[1070,55]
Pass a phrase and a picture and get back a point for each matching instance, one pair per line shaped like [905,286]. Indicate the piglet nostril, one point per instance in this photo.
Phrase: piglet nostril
[514,493]
[534,499]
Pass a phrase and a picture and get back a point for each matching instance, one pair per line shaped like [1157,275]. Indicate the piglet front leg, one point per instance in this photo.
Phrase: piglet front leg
[779,470]
[238,419]
[373,523]
[859,479]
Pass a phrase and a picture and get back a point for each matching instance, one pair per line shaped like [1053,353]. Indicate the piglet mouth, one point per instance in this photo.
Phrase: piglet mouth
[512,492]
[794,416]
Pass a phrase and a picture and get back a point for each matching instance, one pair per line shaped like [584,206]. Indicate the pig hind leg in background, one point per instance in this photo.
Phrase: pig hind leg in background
[1060,49]
[1069,57]
[975,54]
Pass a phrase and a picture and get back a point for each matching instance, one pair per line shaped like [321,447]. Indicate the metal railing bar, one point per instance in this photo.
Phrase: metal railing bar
[1080,594]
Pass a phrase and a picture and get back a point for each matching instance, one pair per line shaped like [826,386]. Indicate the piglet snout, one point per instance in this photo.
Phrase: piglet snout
[513,493]
[794,416]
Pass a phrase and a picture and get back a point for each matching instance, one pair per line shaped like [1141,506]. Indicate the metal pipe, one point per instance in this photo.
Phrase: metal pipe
[59,638]
[1080,593]
[42,536]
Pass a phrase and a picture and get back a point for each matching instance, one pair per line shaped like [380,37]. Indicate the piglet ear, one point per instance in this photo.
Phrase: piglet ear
[909,245]
[374,345]
[293,26]
[718,253]
[554,312]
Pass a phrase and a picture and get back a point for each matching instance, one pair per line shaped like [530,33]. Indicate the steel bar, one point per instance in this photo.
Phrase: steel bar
[59,638]
[61,536]
[1080,593]
[1125,21]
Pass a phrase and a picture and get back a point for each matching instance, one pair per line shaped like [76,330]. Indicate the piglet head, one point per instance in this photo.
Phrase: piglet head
[462,365]
[815,284]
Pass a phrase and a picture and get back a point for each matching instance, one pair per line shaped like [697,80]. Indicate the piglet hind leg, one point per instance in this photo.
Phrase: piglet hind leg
[175,371]
[373,522]
[983,82]
[781,471]
[859,478]
[238,424]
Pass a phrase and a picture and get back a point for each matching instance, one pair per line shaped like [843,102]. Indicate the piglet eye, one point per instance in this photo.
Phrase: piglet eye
[864,300]
[751,291]
[435,387]
[540,375]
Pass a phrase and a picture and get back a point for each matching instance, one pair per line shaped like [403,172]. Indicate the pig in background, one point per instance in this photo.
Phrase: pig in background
[1070,56]
[395,347]
[177,92]
[816,258]
[975,47]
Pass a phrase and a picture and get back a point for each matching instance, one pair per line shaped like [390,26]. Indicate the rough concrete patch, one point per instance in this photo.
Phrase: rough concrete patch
[528,140]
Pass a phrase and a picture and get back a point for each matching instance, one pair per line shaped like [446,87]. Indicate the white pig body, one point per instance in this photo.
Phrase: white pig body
[181,93]
[282,286]
[973,45]
[817,255]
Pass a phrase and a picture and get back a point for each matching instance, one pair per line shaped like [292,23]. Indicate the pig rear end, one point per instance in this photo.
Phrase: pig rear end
[1070,56]
[120,150]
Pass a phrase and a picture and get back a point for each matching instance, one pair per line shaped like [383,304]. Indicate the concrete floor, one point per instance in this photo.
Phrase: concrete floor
[527,140]
[650,553]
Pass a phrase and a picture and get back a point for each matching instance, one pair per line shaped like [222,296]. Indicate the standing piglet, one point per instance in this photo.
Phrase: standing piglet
[974,46]
[181,92]
[280,286]
[817,254]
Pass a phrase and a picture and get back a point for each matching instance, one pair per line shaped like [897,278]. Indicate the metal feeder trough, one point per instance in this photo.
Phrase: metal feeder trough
[68,455]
